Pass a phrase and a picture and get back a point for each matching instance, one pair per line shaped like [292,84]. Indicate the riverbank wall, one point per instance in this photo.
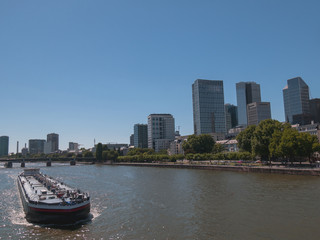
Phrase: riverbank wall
[255,169]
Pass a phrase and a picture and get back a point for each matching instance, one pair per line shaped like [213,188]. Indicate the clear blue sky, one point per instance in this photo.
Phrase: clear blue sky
[92,69]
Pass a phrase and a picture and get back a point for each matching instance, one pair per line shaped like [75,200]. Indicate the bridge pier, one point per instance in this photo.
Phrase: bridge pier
[8,165]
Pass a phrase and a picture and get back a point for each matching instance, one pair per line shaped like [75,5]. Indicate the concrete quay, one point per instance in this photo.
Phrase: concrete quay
[254,169]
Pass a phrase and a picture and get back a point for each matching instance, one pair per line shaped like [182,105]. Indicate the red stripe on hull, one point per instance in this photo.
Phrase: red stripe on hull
[60,210]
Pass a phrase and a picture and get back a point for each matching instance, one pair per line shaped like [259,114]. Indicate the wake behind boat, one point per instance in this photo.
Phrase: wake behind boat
[46,200]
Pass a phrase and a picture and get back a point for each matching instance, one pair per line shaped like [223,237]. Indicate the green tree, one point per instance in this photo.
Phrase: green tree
[198,144]
[307,145]
[110,155]
[99,152]
[105,147]
[244,138]
[262,136]
[88,154]
[274,150]
[289,143]
[217,148]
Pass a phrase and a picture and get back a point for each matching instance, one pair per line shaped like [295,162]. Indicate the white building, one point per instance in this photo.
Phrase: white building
[161,131]
[230,145]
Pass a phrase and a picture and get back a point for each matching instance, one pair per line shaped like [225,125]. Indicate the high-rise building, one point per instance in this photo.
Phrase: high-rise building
[258,111]
[296,99]
[140,135]
[247,92]
[132,140]
[161,131]
[4,146]
[231,116]
[208,107]
[36,146]
[315,109]
[53,140]
[73,146]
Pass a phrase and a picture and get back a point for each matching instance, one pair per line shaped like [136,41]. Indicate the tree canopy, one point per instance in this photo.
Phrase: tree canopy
[244,138]
[198,144]
[272,139]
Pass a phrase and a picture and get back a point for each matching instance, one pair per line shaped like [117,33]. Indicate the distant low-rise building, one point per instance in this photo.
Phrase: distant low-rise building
[176,145]
[230,145]
[313,129]
[233,132]
[116,146]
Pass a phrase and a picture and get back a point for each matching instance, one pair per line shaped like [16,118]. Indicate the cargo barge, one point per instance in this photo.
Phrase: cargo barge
[48,201]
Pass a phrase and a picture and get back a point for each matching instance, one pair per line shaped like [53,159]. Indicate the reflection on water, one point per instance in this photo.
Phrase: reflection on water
[156,203]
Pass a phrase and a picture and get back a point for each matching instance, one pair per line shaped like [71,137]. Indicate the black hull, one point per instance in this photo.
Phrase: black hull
[36,216]
[40,215]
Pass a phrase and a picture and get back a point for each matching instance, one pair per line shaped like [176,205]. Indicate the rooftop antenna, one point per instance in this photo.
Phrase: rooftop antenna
[17,147]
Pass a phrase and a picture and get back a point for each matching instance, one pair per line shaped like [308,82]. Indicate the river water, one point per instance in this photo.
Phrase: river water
[161,203]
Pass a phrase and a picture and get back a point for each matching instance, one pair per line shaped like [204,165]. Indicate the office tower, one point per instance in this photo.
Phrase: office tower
[257,112]
[132,140]
[36,146]
[247,92]
[53,141]
[208,107]
[140,135]
[4,146]
[161,131]
[73,146]
[231,116]
[315,109]
[296,100]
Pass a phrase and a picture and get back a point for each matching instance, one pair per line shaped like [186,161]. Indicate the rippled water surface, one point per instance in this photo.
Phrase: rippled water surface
[159,203]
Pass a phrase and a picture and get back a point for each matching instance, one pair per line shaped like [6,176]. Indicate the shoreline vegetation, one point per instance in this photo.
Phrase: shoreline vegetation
[270,147]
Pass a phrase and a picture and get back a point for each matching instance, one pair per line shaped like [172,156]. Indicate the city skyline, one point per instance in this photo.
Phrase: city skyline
[92,70]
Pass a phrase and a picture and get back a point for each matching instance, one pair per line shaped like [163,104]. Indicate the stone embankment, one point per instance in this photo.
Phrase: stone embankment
[255,169]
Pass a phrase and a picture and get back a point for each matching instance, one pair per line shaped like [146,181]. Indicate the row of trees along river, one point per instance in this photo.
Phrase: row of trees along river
[270,141]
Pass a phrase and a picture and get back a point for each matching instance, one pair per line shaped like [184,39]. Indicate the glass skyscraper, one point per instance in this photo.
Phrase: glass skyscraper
[247,92]
[208,107]
[53,140]
[140,136]
[36,146]
[4,146]
[231,116]
[296,99]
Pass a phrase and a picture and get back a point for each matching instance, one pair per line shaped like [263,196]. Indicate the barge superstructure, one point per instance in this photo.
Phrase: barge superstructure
[46,200]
